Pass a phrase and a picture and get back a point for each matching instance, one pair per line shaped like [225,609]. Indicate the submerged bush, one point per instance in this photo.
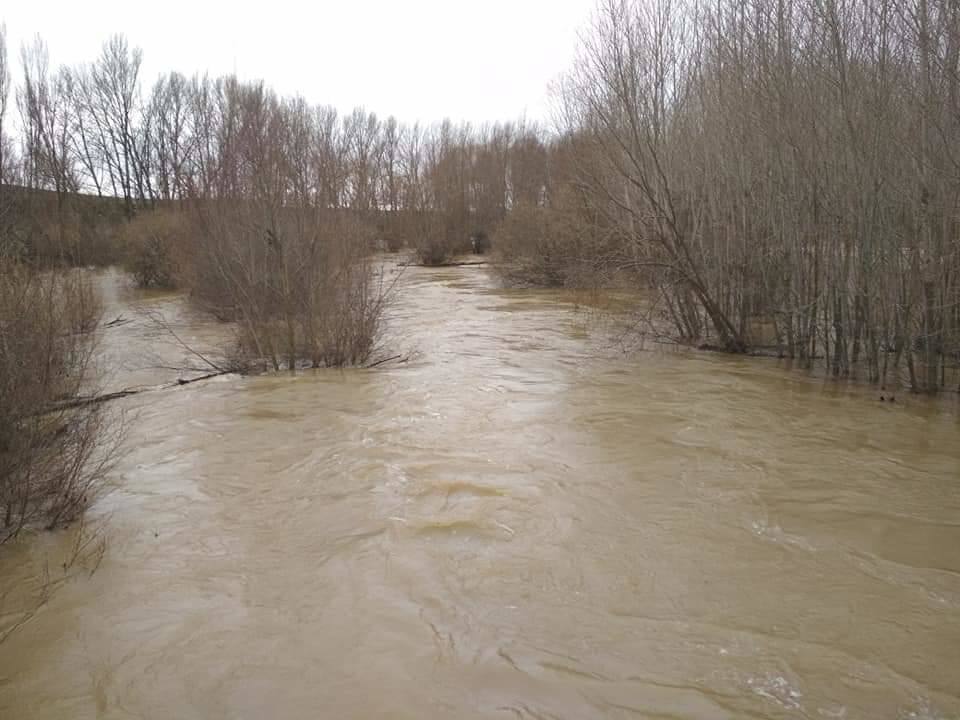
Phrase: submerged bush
[299,283]
[434,251]
[554,247]
[54,454]
[154,249]
[435,243]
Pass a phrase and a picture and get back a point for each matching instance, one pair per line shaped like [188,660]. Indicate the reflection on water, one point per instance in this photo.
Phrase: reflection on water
[518,522]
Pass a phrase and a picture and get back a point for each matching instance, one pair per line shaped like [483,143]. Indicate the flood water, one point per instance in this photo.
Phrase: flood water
[519,522]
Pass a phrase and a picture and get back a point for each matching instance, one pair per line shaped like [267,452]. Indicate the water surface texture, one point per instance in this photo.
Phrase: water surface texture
[519,522]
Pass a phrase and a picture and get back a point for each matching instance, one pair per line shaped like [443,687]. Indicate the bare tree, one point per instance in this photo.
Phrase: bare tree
[44,103]
[112,116]
[5,146]
[4,95]
[783,174]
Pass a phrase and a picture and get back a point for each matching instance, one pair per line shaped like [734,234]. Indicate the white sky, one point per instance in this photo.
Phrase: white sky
[480,61]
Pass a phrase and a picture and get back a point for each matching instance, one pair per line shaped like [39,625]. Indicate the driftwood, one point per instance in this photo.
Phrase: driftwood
[401,358]
[119,320]
[465,263]
[85,400]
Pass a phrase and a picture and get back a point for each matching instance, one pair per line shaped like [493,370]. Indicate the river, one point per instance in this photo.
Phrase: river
[520,521]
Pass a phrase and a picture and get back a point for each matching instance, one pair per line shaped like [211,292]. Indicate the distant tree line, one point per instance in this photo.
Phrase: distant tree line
[96,129]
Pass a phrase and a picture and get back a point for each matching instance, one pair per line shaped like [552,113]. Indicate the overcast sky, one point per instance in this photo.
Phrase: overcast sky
[422,60]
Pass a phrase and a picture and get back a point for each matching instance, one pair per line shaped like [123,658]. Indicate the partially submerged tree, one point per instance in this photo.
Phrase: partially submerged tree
[270,250]
[54,456]
[785,173]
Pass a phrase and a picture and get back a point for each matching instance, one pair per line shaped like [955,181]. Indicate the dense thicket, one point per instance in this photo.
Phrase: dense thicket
[786,172]
[53,456]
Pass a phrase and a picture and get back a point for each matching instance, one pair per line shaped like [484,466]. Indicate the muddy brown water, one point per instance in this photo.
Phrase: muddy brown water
[519,522]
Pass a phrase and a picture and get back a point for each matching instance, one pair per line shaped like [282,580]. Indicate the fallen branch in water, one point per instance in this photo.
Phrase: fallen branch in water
[119,320]
[85,400]
[157,317]
[466,263]
[401,358]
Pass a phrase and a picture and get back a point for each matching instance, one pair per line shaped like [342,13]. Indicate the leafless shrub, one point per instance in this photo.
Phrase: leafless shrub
[54,459]
[155,248]
[556,246]
[435,244]
[534,249]
[301,290]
